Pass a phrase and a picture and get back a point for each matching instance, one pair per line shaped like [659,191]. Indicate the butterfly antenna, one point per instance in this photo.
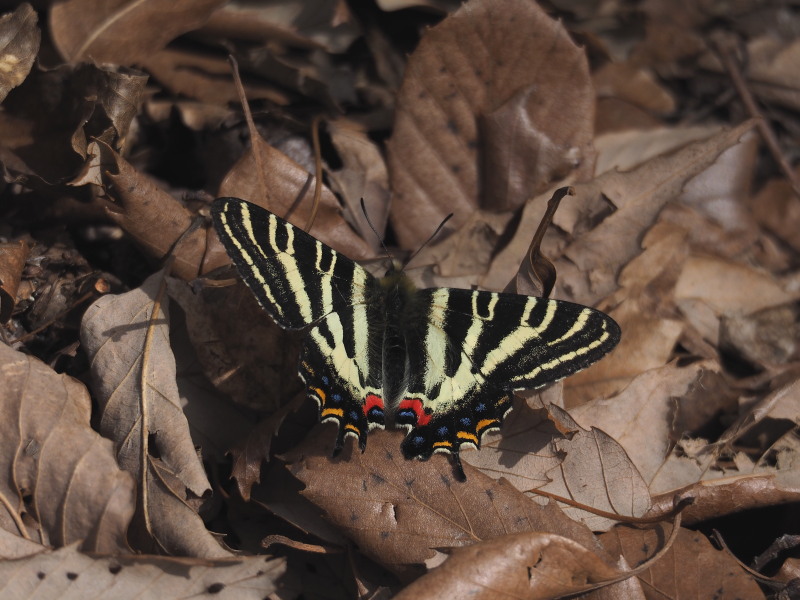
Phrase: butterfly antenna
[375,231]
[428,241]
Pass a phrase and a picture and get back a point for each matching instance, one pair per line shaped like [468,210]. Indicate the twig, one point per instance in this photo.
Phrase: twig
[738,80]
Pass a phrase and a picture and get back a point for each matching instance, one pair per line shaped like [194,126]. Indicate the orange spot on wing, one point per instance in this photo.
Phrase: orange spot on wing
[484,423]
[351,427]
[465,435]
[442,445]
[336,412]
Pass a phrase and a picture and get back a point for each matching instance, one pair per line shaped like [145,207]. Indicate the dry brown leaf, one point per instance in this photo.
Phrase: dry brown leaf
[215,423]
[363,176]
[625,150]
[546,450]
[70,106]
[66,573]
[496,104]
[633,84]
[728,496]
[307,23]
[159,223]
[62,482]
[766,338]
[641,417]
[19,45]
[602,243]
[205,77]
[776,208]
[644,308]
[534,566]
[243,352]
[399,510]
[12,260]
[121,32]
[728,287]
[690,566]
[588,267]
[765,431]
[114,333]
[290,192]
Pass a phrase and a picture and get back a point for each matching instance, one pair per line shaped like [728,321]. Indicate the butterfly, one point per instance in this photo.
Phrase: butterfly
[442,363]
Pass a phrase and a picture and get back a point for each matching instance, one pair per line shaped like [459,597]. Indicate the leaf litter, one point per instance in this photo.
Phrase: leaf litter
[160,413]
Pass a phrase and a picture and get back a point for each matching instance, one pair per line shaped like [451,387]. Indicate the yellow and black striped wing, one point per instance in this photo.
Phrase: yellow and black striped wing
[476,347]
[305,284]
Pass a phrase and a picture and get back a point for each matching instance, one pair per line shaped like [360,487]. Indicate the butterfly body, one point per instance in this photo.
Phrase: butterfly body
[441,363]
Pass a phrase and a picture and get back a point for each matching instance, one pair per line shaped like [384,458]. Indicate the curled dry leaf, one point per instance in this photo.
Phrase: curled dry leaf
[114,332]
[588,267]
[159,223]
[728,496]
[290,193]
[534,566]
[121,32]
[690,566]
[12,261]
[399,510]
[62,484]
[19,45]
[496,104]
[66,573]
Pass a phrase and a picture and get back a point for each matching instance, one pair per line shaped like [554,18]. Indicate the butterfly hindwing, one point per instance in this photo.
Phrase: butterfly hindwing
[304,284]
[476,348]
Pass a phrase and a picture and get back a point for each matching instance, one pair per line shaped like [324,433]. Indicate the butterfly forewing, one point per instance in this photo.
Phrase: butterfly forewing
[305,284]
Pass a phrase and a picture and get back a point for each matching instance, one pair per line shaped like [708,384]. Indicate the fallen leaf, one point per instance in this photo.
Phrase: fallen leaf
[690,566]
[120,32]
[640,417]
[529,565]
[12,261]
[290,190]
[159,223]
[399,510]
[19,44]
[495,105]
[62,573]
[62,483]
[545,450]
[115,333]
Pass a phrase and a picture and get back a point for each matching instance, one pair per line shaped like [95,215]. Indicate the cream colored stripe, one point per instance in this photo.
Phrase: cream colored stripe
[516,340]
[435,338]
[564,358]
[579,324]
[246,255]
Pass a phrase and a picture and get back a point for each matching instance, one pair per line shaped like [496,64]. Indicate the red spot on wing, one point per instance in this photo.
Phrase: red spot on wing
[415,404]
[372,401]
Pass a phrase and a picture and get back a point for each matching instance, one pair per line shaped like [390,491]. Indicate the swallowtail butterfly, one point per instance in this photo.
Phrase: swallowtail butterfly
[441,363]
